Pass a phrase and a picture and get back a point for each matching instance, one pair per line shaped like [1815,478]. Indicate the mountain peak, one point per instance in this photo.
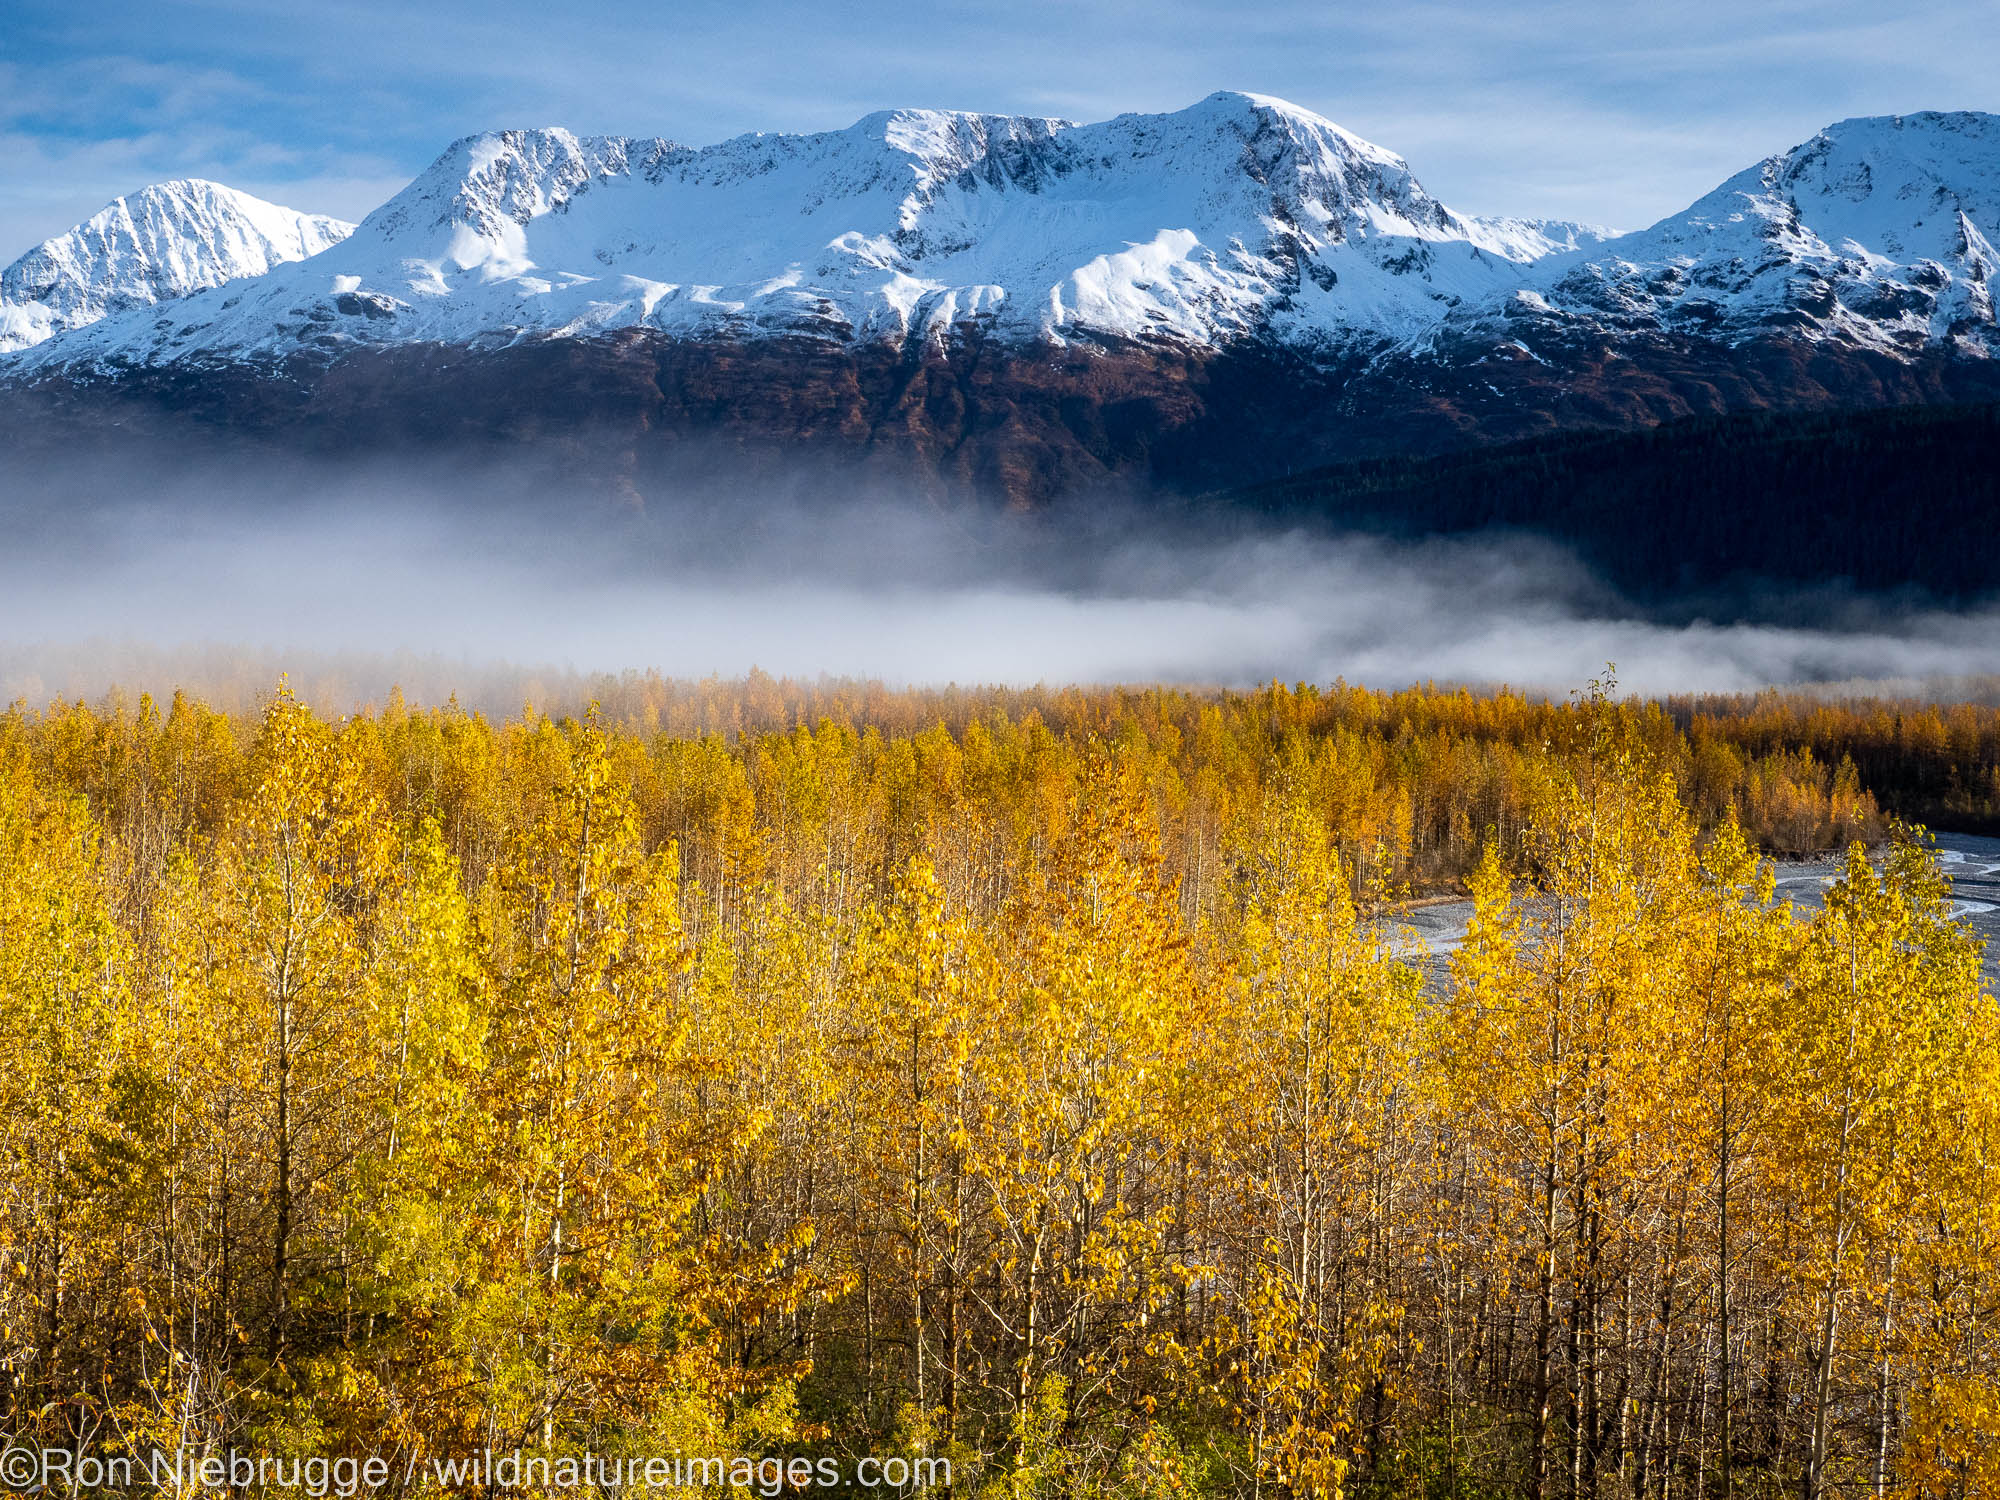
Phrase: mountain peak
[1923,122]
[1871,233]
[1895,171]
[165,241]
[1241,216]
[1269,109]
[1238,213]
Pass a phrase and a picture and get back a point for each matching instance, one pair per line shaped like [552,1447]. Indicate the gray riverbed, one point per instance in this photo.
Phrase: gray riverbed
[1972,862]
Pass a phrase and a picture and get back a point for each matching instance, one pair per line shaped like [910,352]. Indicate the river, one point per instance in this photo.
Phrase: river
[1972,862]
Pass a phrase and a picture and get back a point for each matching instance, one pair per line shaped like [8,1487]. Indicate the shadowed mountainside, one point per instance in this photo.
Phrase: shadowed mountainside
[1897,499]
[630,412]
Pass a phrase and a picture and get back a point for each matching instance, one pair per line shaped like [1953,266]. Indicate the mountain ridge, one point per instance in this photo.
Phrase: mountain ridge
[1236,216]
[1241,216]
[1875,231]
[1027,308]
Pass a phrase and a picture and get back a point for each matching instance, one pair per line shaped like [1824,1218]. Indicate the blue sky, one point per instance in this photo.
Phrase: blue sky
[1612,112]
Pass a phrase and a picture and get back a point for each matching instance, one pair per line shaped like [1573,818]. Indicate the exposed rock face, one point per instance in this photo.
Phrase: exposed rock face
[1027,307]
[638,410]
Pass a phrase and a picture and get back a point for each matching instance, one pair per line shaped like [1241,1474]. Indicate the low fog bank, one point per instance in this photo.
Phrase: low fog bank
[501,593]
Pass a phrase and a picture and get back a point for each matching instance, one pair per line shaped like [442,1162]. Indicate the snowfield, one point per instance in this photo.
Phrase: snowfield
[1240,217]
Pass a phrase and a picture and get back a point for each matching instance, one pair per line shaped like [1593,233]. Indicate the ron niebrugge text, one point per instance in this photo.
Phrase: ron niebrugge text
[66,1470]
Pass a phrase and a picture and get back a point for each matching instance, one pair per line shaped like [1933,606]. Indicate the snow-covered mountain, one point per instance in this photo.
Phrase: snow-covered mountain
[1234,295]
[1022,306]
[162,243]
[1240,218]
[1242,215]
[1877,233]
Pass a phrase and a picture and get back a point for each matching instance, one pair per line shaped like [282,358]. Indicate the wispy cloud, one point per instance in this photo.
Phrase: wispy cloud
[383,559]
[75,134]
[1563,107]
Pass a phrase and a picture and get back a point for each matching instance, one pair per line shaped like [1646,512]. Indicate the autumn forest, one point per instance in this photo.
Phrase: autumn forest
[1033,1083]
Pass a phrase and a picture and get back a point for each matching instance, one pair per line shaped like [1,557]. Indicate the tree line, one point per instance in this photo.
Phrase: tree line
[1042,1087]
[1887,501]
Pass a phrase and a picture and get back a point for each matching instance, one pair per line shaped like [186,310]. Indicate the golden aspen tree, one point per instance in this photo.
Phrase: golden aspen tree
[1951,1449]
[414,1194]
[1325,1037]
[1552,1030]
[1496,1117]
[923,987]
[64,1029]
[599,1161]
[764,1031]
[1721,1074]
[203,1192]
[283,944]
[1080,1081]
[1886,979]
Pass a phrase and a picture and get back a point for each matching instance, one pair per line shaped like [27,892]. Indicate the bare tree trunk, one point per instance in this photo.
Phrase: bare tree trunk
[1883,1397]
[1538,1452]
[281,1173]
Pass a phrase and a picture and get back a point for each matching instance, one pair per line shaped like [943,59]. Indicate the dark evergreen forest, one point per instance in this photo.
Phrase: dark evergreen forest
[1702,514]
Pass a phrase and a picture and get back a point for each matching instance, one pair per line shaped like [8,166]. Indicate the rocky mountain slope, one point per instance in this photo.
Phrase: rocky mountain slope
[1220,295]
[160,244]
[1876,233]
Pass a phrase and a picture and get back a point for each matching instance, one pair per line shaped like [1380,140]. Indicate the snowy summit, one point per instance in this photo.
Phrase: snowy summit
[1239,218]
[162,243]
[1238,215]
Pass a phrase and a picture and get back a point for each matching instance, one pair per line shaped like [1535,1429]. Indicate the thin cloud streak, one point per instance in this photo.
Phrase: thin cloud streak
[1617,115]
